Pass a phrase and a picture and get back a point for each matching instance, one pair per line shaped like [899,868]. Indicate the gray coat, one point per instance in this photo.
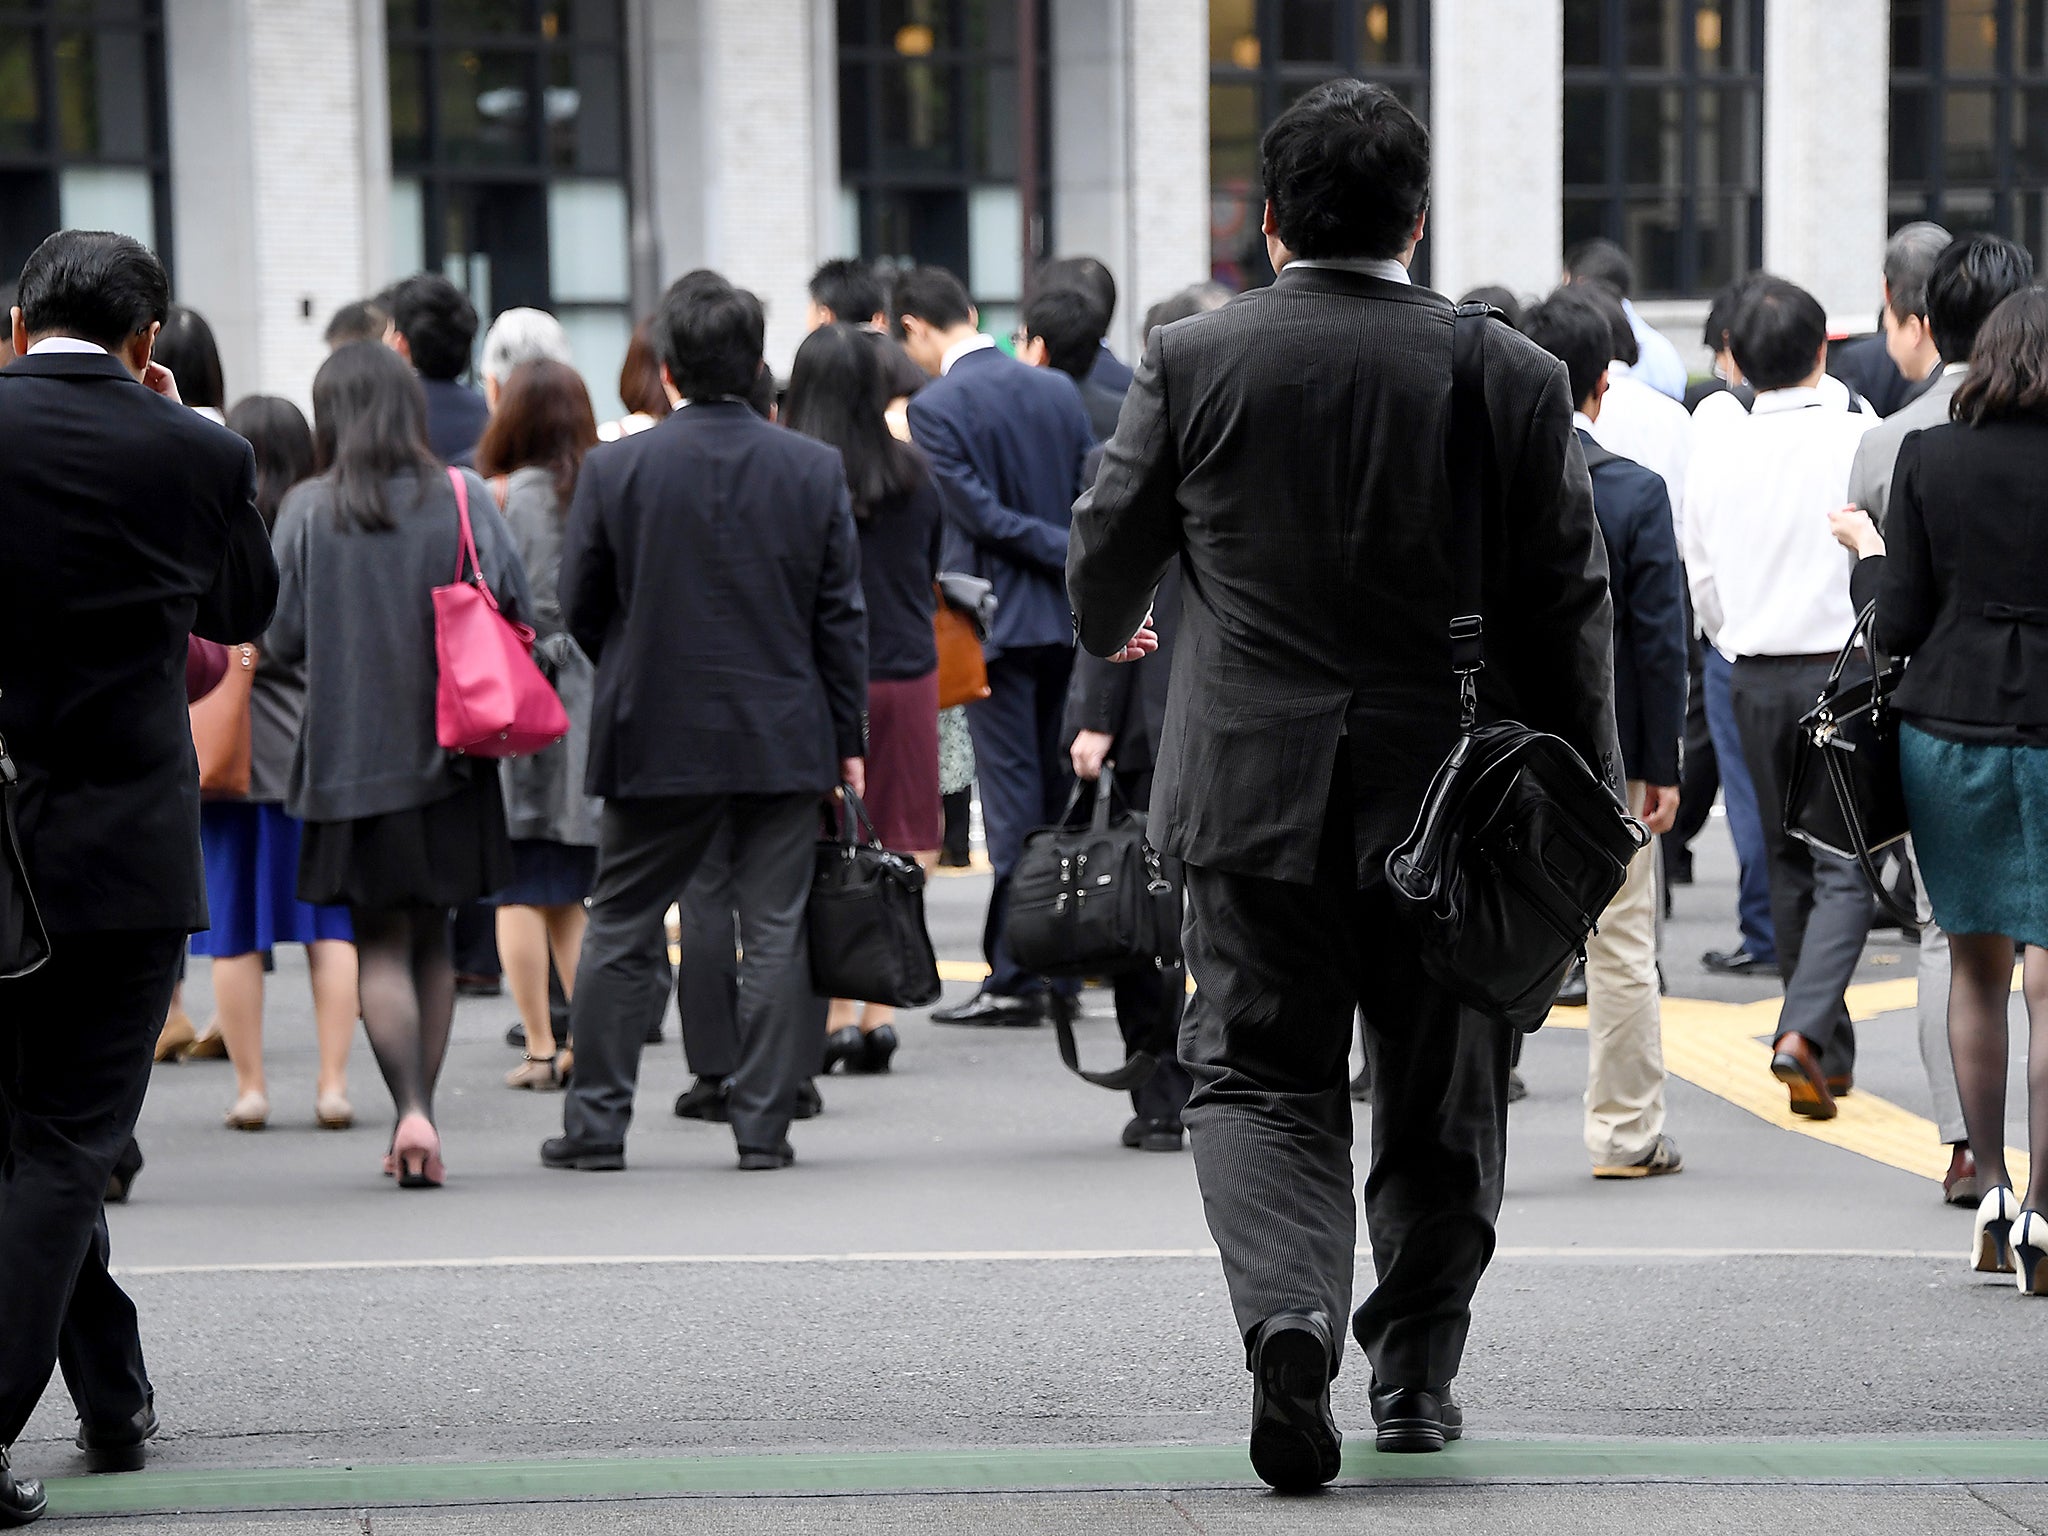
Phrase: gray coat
[1877,456]
[355,611]
[544,798]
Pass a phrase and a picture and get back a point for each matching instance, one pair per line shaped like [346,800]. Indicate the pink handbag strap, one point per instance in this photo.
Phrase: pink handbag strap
[465,553]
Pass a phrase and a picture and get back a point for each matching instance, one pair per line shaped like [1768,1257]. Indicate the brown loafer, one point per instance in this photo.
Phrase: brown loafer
[1841,1085]
[1796,1064]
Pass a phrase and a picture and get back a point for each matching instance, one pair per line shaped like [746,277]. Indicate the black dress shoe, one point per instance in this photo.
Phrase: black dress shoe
[1517,1089]
[705,1099]
[126,1167]
[476,984]
[515,1035]
[1573,993]
[1737,962]
[990,1008]
[21,1498]
[764,1159]
[1296,1446]
[119,1447]
[809,1102]
[1415,1419]
[583,1156]
[843,1047]
[878,1047]
[1143,1135]
[654,1036]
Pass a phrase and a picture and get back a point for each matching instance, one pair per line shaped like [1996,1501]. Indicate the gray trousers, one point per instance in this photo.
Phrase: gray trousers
[708,973]
[1935,1055]
[648,850]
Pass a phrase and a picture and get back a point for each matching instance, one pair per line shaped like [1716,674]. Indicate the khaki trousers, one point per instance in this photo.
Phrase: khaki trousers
[1624,1023]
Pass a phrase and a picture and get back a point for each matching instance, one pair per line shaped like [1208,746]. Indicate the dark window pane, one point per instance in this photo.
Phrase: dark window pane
[586,132]
[77,96]
[2030,136]
[1972,37]
[404,15]
[853,118]
[1652,136]
[587,21]
[28,215]
[1730,142]
[1237,248]
[1234,33]
[917,117]
[499,16]
[1909,34]
[1233,135]
[495,243]
[916,225]
[1969,212]
[1585,218]
[21,97]
[408,107]
[1585,32]
[1650,33]
[1650,234]
[1725,243]
[2030,47]
[1585,135]
[856,23]
[1910,134]
[1308,31]
[1967,150]
[487,108]
[1384,33]
[990,26]
[992,107]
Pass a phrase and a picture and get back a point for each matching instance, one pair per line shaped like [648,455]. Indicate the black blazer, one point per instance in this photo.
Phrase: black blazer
[1127,700]
[126,523]
[1964,587]
[1648,581]
[1288,450]
[712,571]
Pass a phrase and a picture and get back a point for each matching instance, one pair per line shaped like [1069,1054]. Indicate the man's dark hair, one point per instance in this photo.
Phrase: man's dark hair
[1502,299]
[1601,261]
[1347,171]
[360,321]
[850,288]
[1572,328]
[1970,279]
[1608,302]
[96,286]
[1196,299]
[369,427]
[1909,258]
[710,336]
[186,346]
[1085,275]
[933,295]
[1069,323]
[437,322]
[1721,314]
[1777,334]
[2009,372]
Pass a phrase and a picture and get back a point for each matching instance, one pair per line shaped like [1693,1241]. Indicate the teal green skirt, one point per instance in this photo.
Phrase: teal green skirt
[1980,831]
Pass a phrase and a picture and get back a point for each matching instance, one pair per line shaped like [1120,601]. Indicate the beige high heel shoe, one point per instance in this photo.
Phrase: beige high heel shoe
[250,1112]
[334,1112]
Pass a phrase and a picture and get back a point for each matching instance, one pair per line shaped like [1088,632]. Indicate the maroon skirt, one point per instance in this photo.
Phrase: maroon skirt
[903,763]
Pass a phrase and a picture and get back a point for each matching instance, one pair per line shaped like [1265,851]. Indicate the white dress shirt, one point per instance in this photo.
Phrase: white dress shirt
[66,344]
[960,349]
[1657,360]
[1648,426]
[1767,577]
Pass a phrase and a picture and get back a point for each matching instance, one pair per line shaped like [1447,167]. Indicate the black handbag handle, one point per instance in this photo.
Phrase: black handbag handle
[1866,623]
[1106,796]
[852,818]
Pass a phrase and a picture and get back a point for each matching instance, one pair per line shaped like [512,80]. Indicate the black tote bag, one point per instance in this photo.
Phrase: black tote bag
[24,941]
[866,918]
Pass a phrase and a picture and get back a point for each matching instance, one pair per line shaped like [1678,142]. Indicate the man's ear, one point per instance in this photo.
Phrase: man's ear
[1269,224]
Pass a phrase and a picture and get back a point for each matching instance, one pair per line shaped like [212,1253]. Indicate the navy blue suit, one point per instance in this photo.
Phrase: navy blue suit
[1648,582]
[1008,442]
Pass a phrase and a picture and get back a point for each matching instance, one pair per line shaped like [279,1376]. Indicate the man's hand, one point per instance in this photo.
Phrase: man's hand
[1140,645]
[853,773]
[160,379]
[1660,807]
[1855,532]
[1090,752]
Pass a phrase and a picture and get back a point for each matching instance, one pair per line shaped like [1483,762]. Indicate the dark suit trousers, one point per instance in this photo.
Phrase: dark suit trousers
[648,850]
[1149,1003]
[1020,761]
[708,976]
[1821,908]
[1278,971]
[75,1045]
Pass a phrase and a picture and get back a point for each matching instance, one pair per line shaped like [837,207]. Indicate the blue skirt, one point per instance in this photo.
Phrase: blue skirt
[548,874]
[1980,830]
[252,870]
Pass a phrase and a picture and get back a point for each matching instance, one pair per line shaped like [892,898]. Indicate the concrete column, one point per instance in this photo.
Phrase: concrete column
[1166,69]
[213,201]
[1497,109]
[1825,168]
[1091,140]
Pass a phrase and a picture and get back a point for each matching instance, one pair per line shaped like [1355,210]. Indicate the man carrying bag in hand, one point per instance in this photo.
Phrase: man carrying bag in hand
[1288,451]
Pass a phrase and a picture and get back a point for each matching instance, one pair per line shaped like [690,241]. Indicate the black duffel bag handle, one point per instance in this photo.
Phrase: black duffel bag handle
[24,941]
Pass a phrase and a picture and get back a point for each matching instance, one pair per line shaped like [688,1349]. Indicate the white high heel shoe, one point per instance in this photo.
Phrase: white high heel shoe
[1991,1253]
[2030,1253]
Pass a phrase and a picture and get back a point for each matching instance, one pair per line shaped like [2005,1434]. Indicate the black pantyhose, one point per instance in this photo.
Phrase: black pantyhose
[1979,994]
[408,995]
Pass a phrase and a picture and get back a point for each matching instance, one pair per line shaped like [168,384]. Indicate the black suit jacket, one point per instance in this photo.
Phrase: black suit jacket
[1288,451]
[712,571]
[1648,583]
[1127,700]
[127,523]
[1963,589]
[456,418]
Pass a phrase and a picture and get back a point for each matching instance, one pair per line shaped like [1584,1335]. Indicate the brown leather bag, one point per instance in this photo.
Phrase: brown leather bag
[963,672]
[220,730]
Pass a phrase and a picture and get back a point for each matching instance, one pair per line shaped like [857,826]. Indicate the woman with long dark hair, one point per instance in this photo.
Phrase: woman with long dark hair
[396,829]
[252,844]
[836,394]
[640,388]
[532,451]
[186,346]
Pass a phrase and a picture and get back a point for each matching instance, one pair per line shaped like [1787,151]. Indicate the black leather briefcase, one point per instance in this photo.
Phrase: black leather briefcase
[866,918]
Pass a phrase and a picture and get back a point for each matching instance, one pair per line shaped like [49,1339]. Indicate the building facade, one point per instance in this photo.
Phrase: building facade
[290,155]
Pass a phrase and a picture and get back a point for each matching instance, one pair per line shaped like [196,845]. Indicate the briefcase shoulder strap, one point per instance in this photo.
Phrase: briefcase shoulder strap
[1469,450]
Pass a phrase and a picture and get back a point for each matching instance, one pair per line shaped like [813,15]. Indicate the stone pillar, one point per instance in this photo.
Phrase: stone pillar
[1497,122]
[1167,70]
[1825,166]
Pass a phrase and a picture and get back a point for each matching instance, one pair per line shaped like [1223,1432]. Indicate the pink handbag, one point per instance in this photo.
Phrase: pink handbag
[492,700]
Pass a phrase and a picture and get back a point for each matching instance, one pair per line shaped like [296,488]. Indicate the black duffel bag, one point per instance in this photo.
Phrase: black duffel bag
[1519,846]
[1092,898]
[866,918]
[24,942]
[1843,794]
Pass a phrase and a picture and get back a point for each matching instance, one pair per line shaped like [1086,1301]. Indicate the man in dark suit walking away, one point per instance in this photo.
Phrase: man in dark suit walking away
[1288,451]
[1007,442]
[711,570]
[127,524]
[1061,328]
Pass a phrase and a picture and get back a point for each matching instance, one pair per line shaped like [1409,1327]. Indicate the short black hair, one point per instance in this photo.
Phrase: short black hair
[186,346]
[1347,171]
[1069,323]
[1502,299]
[360,321]
[1601,261]
[850,288]
[1572,328]
[1721,313]
[1970,279]
[1608,302]
[1196,299]
[437,322]
[1909,258]
[933,295]
[1777,334]
[1085,275]
[94,285]
[710,335]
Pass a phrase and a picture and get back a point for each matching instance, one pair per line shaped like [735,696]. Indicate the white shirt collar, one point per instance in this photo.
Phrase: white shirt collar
[55,344]
[1384,267]
[1617,369]
[959,349]
[1949,370]
[1795,399]
[1582,421]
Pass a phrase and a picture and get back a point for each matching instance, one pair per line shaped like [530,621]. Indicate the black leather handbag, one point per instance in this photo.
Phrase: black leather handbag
[1843,794]
[1519,846]
[866,918]
[24,941]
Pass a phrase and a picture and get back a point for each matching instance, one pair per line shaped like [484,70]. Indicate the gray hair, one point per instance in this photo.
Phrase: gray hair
[1909,258]
[523,336]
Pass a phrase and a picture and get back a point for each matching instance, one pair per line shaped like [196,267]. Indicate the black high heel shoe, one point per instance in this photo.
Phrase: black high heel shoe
[844,1047]
[878,1046]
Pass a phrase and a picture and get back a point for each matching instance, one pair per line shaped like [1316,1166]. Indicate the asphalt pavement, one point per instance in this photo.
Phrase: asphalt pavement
[967,1308]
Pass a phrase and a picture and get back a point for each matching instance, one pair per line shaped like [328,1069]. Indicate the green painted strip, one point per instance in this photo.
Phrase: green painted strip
[1802,1461]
